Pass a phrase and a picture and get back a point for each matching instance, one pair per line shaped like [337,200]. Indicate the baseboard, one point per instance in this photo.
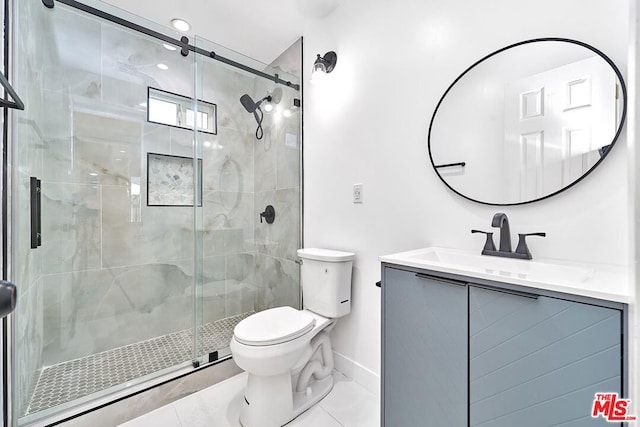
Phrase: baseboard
[352,369]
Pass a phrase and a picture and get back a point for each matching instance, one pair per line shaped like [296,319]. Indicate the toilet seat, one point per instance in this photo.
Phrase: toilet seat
[273,326]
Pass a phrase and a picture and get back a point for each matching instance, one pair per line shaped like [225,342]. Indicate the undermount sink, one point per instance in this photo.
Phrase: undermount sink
[493,268]
[535,271]
[607,282]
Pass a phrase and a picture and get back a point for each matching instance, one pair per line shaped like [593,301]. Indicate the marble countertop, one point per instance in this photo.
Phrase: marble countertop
[600,281]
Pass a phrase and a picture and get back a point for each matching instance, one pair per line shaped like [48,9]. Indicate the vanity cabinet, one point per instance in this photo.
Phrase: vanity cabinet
[461,353]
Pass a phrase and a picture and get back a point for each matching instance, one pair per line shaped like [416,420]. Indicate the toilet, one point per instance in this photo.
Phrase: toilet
[287,352]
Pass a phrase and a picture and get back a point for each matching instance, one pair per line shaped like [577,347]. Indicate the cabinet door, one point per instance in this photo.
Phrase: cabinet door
[537,362]
[424,351]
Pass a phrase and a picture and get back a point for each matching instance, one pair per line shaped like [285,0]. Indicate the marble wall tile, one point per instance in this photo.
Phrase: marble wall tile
[240,298]
[71,229]
[279,283]
[156,139]
[161,234]
[55,129]
[241,268]
[229,163]
[92,311]
[266,158]
[288,153]
[133,57]
[106,149]
[182,142]
[281,238]
[212,296]
[29,347]
[227,222]
[223,85]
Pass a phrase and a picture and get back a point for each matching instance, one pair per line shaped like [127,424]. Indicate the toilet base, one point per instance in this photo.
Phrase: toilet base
[269,401]
[305,400]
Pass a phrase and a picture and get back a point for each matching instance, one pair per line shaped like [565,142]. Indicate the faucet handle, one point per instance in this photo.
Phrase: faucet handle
[522,243]
[488,244]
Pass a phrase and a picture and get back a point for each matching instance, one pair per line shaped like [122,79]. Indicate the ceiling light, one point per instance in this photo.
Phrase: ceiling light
[180,25]
[163,66]
[323,65]
[169,47]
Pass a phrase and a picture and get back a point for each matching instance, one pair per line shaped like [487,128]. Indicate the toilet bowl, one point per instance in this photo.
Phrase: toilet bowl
[287,352]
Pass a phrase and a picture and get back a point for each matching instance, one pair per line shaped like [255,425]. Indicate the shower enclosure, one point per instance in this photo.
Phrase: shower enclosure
[137,184]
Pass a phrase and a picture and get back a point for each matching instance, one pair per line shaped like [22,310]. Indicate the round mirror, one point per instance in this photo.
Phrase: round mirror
[527,121]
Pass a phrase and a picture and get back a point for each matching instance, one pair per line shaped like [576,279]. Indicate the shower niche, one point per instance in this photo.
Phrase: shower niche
[152,247]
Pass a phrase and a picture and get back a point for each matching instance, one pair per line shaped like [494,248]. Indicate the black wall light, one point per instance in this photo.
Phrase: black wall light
[323,66]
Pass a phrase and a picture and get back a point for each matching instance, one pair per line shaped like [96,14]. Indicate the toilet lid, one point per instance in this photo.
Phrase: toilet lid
[273,326]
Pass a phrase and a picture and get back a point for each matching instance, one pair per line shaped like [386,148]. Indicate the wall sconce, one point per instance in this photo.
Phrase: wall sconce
[323,66]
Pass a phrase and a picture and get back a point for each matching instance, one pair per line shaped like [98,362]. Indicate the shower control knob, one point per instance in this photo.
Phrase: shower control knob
[269,214]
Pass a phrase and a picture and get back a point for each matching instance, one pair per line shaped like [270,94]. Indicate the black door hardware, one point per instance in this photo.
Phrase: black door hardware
[36,212]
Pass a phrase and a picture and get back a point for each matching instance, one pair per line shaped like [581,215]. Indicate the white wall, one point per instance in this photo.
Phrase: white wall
[368,124]
[634,208]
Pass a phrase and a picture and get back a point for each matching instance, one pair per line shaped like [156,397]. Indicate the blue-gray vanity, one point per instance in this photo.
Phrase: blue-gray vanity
[478,341]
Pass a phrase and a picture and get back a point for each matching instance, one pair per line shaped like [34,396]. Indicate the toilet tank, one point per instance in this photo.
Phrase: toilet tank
[326,281]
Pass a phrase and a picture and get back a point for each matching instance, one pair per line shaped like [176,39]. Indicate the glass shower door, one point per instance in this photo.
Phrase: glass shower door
[248,265]
[107,299]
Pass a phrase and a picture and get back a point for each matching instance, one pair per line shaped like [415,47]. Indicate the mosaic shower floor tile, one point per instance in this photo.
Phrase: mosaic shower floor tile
[77,378]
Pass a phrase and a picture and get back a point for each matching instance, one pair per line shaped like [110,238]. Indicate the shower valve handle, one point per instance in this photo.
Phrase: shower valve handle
[269,214]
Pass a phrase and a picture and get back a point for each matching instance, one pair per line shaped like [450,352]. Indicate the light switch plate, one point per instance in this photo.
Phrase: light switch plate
[357,193]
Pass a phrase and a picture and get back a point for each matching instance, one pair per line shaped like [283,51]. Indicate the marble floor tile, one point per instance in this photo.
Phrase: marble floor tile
[348,404]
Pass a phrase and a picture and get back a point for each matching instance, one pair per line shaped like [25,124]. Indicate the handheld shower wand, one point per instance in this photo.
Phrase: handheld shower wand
[254,107]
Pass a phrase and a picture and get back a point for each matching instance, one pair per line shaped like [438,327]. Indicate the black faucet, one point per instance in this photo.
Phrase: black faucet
[501,221]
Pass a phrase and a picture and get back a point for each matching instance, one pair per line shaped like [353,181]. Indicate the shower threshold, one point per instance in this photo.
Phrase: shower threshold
[75,379]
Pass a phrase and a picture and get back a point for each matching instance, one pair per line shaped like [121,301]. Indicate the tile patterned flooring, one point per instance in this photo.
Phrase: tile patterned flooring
[71,380]
[347,405]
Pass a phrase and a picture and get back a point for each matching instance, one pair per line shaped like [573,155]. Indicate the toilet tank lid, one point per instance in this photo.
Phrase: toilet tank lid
[325,255]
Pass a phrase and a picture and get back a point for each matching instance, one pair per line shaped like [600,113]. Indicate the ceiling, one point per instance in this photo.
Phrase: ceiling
[258,29]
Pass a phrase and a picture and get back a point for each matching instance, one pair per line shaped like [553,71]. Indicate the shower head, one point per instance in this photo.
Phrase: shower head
[254,107]
[248,103]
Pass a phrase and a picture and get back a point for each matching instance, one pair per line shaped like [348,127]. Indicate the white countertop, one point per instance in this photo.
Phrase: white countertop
[590,280]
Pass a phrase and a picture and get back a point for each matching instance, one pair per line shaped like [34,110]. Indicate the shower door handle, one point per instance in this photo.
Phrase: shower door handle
[36,212]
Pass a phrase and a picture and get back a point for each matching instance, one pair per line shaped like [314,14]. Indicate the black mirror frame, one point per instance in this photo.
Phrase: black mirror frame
[544,39]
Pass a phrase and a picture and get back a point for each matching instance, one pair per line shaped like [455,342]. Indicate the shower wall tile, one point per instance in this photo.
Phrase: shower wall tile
[126,94]
[161,233]
[93,311]
[156,139]
[227,221]
[280,239]
[223,85]
[181,142]
[106,149]
[228,161]
[71,234]
[265,152]
[212,296]
[131,57]
[279,283]
[288,149]
[29,346]
[241,268]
